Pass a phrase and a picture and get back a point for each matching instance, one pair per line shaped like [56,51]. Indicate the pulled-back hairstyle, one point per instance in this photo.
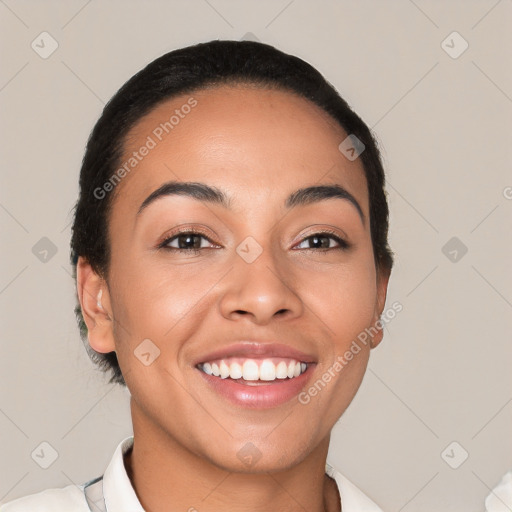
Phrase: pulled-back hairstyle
[183,71]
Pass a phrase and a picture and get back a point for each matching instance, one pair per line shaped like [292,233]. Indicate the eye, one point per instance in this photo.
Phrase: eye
[323,241]
[192,242]
[186,241]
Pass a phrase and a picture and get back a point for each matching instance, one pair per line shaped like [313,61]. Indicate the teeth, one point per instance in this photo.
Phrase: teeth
[291,369]
[253,370]
[267,370]
[250,370]
[207,368]
[224,370]
[281,370]
[235,371]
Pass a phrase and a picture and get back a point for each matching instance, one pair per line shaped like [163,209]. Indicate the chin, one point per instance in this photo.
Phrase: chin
[261,456]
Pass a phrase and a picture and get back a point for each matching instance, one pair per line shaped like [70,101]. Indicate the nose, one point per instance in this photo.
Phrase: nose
[261,290]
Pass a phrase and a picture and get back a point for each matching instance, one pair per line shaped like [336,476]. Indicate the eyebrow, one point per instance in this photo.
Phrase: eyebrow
[213,195]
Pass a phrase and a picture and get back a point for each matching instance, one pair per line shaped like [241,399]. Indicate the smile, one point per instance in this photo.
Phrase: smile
[252,370]
[256,383]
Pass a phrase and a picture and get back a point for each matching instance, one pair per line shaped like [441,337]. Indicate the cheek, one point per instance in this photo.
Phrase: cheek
[160,302]
[354,304]
[346,307]
[345,299]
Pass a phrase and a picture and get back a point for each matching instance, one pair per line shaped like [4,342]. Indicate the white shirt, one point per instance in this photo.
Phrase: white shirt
[500,499]
[120,495]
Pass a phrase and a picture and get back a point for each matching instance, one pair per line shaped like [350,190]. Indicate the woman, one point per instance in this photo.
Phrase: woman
[231,256]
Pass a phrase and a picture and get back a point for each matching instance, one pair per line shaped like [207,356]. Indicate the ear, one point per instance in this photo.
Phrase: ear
[94,298]
[382,289]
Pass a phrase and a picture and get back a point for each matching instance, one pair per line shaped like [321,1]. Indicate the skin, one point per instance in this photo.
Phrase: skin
[258,146]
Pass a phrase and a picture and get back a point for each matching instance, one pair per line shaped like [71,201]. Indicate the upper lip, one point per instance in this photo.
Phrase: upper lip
[251,349]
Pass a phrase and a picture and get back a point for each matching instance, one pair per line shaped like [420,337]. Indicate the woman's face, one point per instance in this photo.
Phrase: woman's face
[253,283]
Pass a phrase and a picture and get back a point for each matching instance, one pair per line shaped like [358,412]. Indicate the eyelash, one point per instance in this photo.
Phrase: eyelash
[343,245]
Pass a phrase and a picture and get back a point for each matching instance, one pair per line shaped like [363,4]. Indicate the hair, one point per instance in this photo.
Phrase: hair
[182,71]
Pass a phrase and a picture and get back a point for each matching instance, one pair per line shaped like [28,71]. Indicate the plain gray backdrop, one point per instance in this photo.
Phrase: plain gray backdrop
[434,81]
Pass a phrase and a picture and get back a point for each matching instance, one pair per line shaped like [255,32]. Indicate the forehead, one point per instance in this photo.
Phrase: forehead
[252,142]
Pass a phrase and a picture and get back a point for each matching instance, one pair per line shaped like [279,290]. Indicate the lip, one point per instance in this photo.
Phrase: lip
[256,350]
[260,396]
[263,395]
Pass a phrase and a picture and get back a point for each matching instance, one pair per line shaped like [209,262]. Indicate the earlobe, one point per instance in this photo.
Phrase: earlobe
[94,300]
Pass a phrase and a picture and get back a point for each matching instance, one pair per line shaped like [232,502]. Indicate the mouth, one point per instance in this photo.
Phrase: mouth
[253,371]
[256,376]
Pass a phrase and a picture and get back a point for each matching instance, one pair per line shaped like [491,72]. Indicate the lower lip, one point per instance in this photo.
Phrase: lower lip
[259,396]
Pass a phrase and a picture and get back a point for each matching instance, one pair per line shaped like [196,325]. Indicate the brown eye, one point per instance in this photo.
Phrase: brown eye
[189,241]
[323,241]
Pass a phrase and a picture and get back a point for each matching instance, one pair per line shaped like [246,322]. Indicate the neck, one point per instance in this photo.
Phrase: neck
[168,477]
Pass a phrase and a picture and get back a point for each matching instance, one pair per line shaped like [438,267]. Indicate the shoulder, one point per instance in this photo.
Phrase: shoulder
[66,499]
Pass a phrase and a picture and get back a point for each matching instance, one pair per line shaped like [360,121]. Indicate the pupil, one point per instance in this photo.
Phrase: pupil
[186,241]
[322,245]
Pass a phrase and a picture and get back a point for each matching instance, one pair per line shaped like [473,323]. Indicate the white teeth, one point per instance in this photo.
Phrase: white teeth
[281,370]
[253,370]
[235,371]
[224,370]
[267,370]
[250,370]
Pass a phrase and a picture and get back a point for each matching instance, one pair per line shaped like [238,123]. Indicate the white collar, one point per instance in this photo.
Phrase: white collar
[120,495]
[117,488]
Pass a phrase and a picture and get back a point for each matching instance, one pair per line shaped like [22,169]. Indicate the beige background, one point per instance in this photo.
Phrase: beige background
[442,373]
